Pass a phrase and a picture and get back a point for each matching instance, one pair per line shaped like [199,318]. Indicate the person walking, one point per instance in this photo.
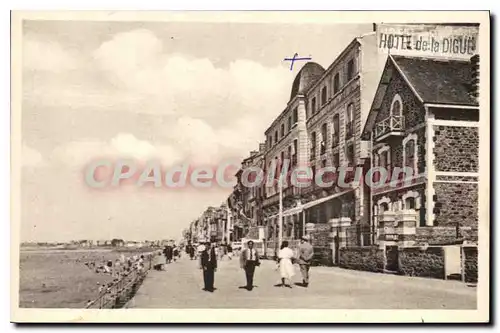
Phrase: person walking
[249,259]
[229,251]
[175,252]
[208,263]
[168,251]
[285,257]
[306,253]
[190,251]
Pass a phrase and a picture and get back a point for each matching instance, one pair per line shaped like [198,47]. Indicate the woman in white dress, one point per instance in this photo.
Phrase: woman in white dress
[287,271]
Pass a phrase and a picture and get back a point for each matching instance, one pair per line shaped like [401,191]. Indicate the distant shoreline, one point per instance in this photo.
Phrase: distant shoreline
[48,249]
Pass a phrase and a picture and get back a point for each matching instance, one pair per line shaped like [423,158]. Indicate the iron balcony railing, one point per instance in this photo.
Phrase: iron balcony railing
[389,124]
[335,140]
[349,130]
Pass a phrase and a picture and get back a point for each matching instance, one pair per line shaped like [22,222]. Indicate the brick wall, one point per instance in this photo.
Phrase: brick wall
[456,202]
[423,263]
[470,263]
[456,148]
[367,258]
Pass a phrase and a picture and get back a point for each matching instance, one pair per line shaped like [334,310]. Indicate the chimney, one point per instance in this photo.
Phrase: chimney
[253,153]
[262,147]
[475,76]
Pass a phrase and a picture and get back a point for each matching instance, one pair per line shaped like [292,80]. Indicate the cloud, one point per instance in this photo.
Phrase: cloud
[46,55]
[124,145]
[214,112]
[31,157]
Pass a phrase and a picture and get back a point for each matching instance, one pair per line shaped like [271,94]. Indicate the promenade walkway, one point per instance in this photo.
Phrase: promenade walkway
[180,286]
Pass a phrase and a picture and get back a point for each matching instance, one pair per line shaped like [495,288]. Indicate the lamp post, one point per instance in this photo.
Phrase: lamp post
[280,213]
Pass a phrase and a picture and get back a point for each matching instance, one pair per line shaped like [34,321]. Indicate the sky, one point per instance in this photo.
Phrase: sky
[177,92]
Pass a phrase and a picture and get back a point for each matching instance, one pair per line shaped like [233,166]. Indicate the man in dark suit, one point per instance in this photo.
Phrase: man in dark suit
[208,261]
[168,252]
[249,260]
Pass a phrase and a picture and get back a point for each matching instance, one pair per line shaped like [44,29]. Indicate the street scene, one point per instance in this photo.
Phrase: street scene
[180,286]
[173,164]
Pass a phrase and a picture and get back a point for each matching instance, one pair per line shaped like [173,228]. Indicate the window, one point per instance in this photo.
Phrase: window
[323,138]
[282,157]
[410,154]
[294,156]
[282,134]
[313,106]
[410,203]
[336,160]
[350,70]
[313,145]
[270,141]
[385,160]
[336,131]
[349,125]
[396,106]
[350,154]
[289,123]
[323,163]
[289,155]
[323,96]
[384,207]
[336,83]
[295,115]
[275,137]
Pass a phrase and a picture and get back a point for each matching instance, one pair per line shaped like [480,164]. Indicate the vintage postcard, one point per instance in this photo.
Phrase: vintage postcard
[250,167]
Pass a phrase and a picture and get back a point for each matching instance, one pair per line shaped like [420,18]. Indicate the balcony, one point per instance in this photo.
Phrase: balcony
[349,130]
[392,125]
[322,148]
[335,141]
[313,154]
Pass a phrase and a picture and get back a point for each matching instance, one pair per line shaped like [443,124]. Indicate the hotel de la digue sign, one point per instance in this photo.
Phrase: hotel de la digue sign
[433,40]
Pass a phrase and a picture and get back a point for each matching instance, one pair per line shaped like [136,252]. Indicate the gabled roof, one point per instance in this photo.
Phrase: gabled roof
[432,80]
[438,81]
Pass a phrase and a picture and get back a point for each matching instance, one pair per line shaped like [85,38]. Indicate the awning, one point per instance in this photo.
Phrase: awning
[320,201]
[291,211]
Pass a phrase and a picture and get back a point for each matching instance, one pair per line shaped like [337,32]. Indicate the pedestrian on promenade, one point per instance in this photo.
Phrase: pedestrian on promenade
[190,251]
[306,253]
[208,263]
[168,251]
[285,257]
[249,259]
[175,252]
[158,262]
[229,251]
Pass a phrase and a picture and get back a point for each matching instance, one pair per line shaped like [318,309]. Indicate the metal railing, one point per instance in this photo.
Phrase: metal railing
[389,124]
[117,293]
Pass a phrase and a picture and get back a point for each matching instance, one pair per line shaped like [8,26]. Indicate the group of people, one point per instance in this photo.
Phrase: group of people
[170,253]
[118,267]
[249,261]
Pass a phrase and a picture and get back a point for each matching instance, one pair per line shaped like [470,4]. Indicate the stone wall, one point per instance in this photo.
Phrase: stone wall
[367,258]
[414,261]
[413,111]
[456,202]
[470,263]
[456,148]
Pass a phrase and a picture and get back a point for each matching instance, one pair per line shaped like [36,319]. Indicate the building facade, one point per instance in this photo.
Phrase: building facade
[322,127]
[433,130]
